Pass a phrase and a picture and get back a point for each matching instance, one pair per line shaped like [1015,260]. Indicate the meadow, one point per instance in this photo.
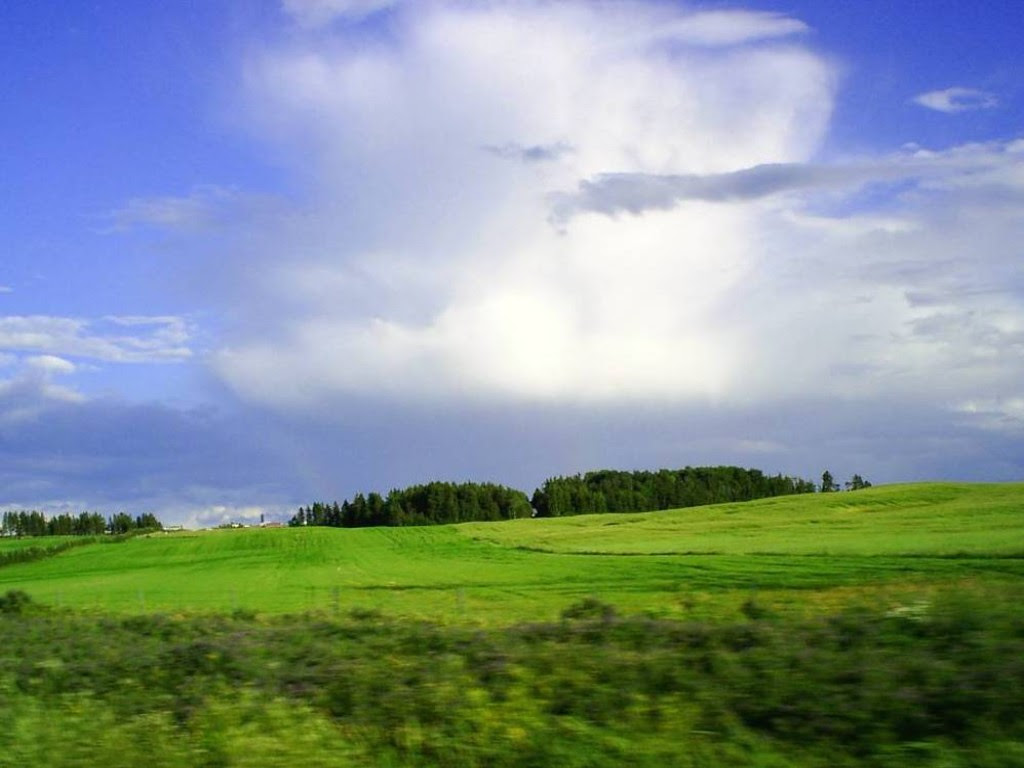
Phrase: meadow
[795,552]
[876,627]
[934,519]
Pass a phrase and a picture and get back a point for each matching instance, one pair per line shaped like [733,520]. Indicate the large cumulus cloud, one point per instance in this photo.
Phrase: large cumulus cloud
[436,149]
[612,203]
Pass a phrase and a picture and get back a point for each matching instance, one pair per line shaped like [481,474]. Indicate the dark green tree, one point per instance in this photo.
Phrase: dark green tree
[641,491]
[856,483]
[148,522]
[120,523]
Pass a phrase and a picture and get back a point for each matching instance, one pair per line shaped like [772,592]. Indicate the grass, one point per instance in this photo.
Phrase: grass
[794,552]
[928,519]
[874,628]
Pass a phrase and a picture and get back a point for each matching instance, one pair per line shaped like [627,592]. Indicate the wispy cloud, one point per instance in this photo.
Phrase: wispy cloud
[6,289]
[957,99]
[635,193]
[156,339]
[318,13]
[203,206]
[535,153]
[710,29]
[730,27]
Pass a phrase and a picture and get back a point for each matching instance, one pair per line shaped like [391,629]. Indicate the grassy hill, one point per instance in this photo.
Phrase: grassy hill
[795,551]
[928,519]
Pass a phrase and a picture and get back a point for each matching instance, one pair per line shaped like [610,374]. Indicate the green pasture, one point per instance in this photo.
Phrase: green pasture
[792,553]
[924,519]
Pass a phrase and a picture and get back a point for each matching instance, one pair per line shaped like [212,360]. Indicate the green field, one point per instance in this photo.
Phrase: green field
[795,552]
[933,519]
[875,628]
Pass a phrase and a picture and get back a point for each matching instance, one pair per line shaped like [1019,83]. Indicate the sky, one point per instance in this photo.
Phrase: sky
[255,253]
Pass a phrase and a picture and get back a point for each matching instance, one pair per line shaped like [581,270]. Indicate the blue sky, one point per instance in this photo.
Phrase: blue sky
[254,253]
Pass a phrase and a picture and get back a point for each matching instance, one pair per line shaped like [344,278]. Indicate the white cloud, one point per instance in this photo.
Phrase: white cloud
[31,389]
[957,99]
[702,253]
[701,28]
[1002,415]
[923,302]
[223,514]
[448,276]
[6,289]
[731,27]
[156,339]
[50,364]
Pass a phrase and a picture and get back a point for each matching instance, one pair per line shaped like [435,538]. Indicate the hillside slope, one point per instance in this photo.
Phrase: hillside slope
[932,519]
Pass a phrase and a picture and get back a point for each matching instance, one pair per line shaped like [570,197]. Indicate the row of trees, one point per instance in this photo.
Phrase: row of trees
[431,504]
[594,492]
[643,491]
[32,523]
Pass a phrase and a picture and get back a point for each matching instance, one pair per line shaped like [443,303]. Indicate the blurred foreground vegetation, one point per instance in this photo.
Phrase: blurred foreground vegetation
[932,682]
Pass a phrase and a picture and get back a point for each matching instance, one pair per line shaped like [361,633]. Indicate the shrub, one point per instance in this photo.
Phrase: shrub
[14,602]
[590,608]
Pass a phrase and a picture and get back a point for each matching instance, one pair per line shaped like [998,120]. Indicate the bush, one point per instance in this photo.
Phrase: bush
[14,602]
[590,608]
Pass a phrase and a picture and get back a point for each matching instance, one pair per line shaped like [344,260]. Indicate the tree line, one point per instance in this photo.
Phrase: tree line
[33,523]
[595,492]
[434,503]
[644,491]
